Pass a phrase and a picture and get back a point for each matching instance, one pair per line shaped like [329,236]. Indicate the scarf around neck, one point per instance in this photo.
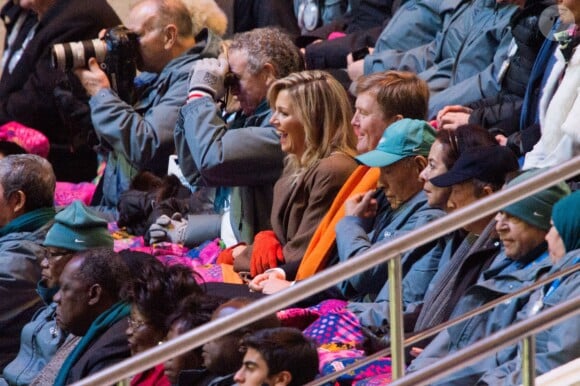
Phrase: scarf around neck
[28,222]
[99,326]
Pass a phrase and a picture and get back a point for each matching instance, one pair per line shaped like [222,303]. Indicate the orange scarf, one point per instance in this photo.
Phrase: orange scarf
[323,240]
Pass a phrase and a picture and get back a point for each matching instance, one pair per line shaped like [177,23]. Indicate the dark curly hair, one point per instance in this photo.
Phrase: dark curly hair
[157,290]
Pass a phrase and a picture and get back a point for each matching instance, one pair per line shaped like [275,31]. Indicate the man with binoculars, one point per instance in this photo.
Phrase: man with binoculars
[243,156]
[139,137]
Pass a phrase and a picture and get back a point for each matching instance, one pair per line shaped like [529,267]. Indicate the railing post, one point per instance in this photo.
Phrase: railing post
[396,318]
[529,361]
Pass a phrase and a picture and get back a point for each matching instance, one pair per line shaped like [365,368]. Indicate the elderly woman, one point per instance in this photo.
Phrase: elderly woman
[312,116]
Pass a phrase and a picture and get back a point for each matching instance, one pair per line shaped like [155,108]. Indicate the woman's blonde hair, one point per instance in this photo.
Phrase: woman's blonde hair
[321,104]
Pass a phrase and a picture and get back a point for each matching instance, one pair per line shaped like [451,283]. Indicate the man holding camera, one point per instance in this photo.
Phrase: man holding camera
[244,154]
[139,137]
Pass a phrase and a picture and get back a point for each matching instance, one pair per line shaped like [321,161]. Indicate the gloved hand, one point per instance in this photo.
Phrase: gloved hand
[266,253]
[227,255]
[168,229]
[208,75]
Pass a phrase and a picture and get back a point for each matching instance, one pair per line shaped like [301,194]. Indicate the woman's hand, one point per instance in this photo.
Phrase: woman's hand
[257,283]
[451,117]
[274,285]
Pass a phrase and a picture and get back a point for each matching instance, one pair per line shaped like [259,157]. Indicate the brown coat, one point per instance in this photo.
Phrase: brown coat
[299,206]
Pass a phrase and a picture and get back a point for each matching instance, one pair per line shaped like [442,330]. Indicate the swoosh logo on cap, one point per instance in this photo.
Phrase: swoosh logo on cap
[79,241]
[538,214]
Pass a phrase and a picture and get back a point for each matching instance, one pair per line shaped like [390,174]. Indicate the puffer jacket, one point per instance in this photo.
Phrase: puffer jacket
[502,112]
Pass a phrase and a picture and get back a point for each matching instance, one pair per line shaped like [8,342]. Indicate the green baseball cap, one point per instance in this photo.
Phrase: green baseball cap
[404,138]
[536,209]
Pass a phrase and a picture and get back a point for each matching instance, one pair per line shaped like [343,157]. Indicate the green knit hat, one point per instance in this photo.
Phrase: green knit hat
[536,209]
[78,228]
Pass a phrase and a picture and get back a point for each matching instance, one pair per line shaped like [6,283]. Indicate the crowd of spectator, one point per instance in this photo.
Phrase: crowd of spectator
[271,140]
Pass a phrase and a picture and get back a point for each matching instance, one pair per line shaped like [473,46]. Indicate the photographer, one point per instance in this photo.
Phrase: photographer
[140,137]
[244,155]
[29,84]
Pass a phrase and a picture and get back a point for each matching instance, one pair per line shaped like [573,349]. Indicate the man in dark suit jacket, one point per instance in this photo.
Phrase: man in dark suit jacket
[88,305]
[31,90]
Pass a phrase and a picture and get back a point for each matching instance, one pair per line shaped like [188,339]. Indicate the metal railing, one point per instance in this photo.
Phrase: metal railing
[419,336]
[524,329]
[332,275]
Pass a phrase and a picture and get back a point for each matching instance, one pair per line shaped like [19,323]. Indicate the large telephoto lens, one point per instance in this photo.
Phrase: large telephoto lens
[68,56]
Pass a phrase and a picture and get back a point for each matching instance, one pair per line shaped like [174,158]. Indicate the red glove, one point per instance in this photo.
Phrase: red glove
[227,255]
[266,253]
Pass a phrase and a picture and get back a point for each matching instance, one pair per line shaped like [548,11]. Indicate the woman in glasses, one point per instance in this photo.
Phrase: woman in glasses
[75,228]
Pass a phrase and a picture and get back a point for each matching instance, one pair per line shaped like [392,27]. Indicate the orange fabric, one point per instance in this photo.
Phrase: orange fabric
[229,275]
[360,181]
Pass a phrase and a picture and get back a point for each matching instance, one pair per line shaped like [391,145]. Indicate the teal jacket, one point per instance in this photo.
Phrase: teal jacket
[555,346]
[352,239]
[505,276]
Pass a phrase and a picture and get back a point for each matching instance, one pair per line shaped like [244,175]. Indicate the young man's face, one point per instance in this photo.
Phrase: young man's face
[254,371]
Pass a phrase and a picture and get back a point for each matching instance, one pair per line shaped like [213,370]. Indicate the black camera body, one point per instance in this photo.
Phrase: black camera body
[116,53]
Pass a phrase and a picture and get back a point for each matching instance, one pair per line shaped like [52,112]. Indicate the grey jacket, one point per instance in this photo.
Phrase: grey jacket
[415,23]
[20,253]
[464,62]
[352,239]
[503,277]
[140,137]
[555,346]
[245,156]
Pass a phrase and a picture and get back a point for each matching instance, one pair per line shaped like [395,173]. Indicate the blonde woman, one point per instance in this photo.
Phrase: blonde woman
[312,115]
